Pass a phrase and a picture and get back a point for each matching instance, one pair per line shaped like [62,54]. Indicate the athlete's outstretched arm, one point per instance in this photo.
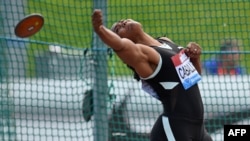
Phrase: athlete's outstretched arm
[135,55]
[107,36]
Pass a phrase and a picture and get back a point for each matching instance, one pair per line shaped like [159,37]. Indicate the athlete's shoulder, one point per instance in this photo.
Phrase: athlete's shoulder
[170,43]
[165,39]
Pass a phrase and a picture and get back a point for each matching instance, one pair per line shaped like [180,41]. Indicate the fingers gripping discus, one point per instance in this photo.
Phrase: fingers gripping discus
[29,25]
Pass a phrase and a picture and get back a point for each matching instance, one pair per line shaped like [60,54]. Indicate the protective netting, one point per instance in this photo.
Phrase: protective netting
[61,84]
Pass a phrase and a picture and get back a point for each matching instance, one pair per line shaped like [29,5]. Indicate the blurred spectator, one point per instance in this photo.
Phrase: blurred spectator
[227,62]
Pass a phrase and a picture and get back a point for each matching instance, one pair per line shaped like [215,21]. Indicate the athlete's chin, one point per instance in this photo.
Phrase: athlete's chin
[133,28]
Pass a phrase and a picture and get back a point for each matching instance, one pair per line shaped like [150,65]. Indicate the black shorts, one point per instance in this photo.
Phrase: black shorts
[167,129]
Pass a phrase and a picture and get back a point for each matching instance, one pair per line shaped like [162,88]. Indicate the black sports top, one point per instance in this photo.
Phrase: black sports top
[167,87]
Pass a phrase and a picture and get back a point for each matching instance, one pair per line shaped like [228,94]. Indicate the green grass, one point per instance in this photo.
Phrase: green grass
[68,22]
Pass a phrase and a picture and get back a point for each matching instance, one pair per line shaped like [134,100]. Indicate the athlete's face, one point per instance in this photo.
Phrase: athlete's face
[127,28]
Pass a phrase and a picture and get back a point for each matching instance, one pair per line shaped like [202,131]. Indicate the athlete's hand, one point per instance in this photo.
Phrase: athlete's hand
[97,20]
[193,50]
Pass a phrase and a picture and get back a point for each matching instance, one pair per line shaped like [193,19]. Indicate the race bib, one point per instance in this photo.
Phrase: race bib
[185,69]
